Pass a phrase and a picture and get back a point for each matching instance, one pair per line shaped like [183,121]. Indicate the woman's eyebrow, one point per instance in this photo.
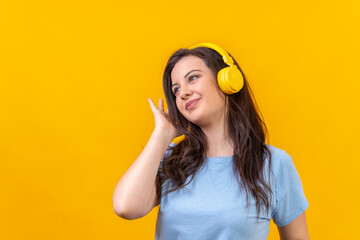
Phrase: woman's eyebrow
[187,75]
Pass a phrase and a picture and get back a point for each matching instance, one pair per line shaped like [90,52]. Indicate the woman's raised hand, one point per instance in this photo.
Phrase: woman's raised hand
[162,120]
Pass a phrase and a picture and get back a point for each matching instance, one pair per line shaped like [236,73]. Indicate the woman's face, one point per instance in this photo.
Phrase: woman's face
[192,79]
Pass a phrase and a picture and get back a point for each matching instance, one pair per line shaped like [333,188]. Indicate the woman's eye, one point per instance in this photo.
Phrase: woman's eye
[193,76]
[190,78]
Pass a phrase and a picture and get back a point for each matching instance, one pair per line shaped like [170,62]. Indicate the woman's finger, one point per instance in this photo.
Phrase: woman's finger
[152,105]
[161,105]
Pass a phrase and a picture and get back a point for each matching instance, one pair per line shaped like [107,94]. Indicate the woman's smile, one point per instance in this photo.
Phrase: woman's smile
[192,105]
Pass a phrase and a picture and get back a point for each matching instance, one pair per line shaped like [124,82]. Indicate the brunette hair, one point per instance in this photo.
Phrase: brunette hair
[245,127]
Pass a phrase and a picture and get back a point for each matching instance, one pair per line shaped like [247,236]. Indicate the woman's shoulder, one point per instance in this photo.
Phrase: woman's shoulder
[280,159]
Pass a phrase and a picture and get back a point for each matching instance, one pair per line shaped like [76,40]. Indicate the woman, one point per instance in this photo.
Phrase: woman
[222,181]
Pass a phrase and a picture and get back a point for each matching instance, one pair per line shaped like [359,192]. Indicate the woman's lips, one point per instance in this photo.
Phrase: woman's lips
[192,104]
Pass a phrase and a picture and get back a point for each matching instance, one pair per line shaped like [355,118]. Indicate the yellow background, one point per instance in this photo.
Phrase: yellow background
[74,81]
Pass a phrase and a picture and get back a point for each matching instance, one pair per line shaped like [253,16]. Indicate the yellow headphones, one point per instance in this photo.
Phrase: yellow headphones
[230,79]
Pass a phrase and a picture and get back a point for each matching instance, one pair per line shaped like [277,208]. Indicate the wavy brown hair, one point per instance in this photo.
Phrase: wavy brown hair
[245,127]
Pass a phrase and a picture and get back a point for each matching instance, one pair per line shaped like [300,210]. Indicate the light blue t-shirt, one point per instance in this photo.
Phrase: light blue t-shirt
[212,207]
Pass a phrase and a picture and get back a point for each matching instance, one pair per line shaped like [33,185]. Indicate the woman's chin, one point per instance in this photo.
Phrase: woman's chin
[195,119]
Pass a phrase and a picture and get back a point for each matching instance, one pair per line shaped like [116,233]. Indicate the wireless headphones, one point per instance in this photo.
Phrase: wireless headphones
[229,79]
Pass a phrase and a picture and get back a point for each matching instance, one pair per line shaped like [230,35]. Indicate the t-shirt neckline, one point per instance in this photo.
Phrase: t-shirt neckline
[219,159]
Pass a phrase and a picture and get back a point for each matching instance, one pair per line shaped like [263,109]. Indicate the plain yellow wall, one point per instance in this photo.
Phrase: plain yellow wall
[74,81]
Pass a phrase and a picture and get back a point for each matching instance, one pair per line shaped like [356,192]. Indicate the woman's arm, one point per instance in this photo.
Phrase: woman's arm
[135,189]
[296,230]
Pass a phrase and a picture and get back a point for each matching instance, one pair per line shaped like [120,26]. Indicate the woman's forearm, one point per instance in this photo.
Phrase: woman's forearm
[133,191]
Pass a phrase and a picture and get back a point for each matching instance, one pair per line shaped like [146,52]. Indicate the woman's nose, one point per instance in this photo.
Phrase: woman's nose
[185,91]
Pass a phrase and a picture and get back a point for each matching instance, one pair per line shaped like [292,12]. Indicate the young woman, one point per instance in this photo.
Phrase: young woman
[221,181]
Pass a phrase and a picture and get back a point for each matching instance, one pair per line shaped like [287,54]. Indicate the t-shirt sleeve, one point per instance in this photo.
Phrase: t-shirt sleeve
[290,197]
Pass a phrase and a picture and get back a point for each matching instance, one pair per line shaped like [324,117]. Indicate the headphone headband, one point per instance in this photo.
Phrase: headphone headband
[226,57]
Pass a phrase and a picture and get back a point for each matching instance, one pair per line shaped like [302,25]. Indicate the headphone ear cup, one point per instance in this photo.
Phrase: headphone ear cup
[230,80]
